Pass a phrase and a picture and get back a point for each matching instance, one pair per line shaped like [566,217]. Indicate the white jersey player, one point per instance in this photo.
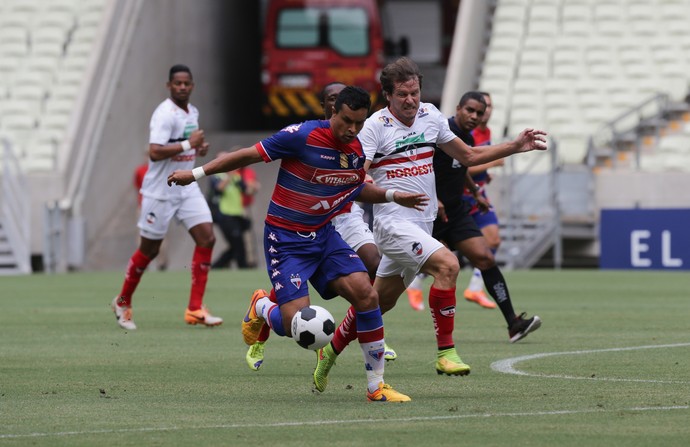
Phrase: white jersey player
[174,143]
[399,144]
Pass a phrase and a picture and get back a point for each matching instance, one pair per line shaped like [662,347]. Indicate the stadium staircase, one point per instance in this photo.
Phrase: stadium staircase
[609,80]
[14,216]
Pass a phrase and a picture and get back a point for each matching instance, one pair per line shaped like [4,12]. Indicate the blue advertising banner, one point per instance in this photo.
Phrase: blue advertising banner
[654,239]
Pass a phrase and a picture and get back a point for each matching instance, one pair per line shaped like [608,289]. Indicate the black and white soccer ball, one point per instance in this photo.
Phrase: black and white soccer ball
[313,327]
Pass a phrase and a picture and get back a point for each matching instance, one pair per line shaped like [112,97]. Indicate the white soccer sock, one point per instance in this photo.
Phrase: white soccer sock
[476,281]
[374,363]
[418,281]
[263,306]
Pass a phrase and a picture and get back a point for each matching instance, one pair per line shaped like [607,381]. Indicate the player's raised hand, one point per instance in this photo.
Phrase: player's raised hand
[531,139]
[410,200]
[180,178]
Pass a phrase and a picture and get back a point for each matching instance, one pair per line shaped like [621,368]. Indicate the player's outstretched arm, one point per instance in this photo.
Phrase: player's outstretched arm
[227,162]
[528,140]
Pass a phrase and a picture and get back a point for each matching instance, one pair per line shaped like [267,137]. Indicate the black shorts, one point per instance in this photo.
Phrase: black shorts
[460,226]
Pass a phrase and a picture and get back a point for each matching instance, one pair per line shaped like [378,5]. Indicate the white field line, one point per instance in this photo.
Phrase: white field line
[507,366]
[340,422]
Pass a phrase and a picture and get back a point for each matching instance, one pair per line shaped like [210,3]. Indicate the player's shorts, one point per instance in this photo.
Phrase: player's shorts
[293,258]
[156,215]
[460,226]
[352,228]
[485,219]
[406,246]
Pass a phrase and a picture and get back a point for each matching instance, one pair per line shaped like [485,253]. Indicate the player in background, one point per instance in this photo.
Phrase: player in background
[458,229]
[399,143]
[486,221]
[174,143]
[351,227]
[321,172]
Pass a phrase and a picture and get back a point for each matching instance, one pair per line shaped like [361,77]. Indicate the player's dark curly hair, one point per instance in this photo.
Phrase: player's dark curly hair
[355,97]
[402,70]
[177,69]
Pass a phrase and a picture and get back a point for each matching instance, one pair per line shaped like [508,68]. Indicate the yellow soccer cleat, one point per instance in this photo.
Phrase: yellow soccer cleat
[449,362]
[325,359]
[252,322]
[386,393]
[255,355]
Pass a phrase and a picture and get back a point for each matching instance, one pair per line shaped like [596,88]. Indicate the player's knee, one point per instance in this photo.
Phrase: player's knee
[446,268]
[483,260]
[494,242]
[208,240]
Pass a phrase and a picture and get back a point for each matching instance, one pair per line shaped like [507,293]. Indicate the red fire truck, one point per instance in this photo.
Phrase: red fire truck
[309,43]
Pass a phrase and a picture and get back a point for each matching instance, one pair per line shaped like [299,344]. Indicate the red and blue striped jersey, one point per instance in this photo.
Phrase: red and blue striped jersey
[319,175]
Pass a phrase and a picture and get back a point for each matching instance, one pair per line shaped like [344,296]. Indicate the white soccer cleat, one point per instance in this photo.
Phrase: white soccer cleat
[123,315]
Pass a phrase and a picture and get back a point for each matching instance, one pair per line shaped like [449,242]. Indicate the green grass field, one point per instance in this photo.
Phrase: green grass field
[610,366]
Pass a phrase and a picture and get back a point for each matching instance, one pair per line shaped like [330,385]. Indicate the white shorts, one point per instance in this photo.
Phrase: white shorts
[406,246]
[352,228]
[156,215]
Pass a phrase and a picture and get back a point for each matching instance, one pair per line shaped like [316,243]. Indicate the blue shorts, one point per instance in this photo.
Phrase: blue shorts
[293,258]
[486,219]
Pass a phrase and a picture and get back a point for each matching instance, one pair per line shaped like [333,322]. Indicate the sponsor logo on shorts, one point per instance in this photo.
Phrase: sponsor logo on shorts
[275,273]
[277,286]
[274,261]
[272,237]
[272,249]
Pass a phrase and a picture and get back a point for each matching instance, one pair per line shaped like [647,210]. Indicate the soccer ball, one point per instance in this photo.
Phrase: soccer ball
[313,327]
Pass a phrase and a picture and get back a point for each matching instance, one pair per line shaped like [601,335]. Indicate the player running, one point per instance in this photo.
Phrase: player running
[321,172]
[399,143]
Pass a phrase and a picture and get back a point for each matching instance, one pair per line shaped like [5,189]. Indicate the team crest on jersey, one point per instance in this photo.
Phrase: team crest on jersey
[423,111]
[150,218]
[417,248]
[387,122]
[296,280]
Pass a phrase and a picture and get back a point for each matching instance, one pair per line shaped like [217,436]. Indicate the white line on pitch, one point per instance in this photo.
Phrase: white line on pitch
[507,366]
[343,421]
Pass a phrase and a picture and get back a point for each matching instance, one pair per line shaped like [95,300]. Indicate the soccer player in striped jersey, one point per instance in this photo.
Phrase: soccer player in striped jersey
[351,227]
[321,172]
[399,143]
